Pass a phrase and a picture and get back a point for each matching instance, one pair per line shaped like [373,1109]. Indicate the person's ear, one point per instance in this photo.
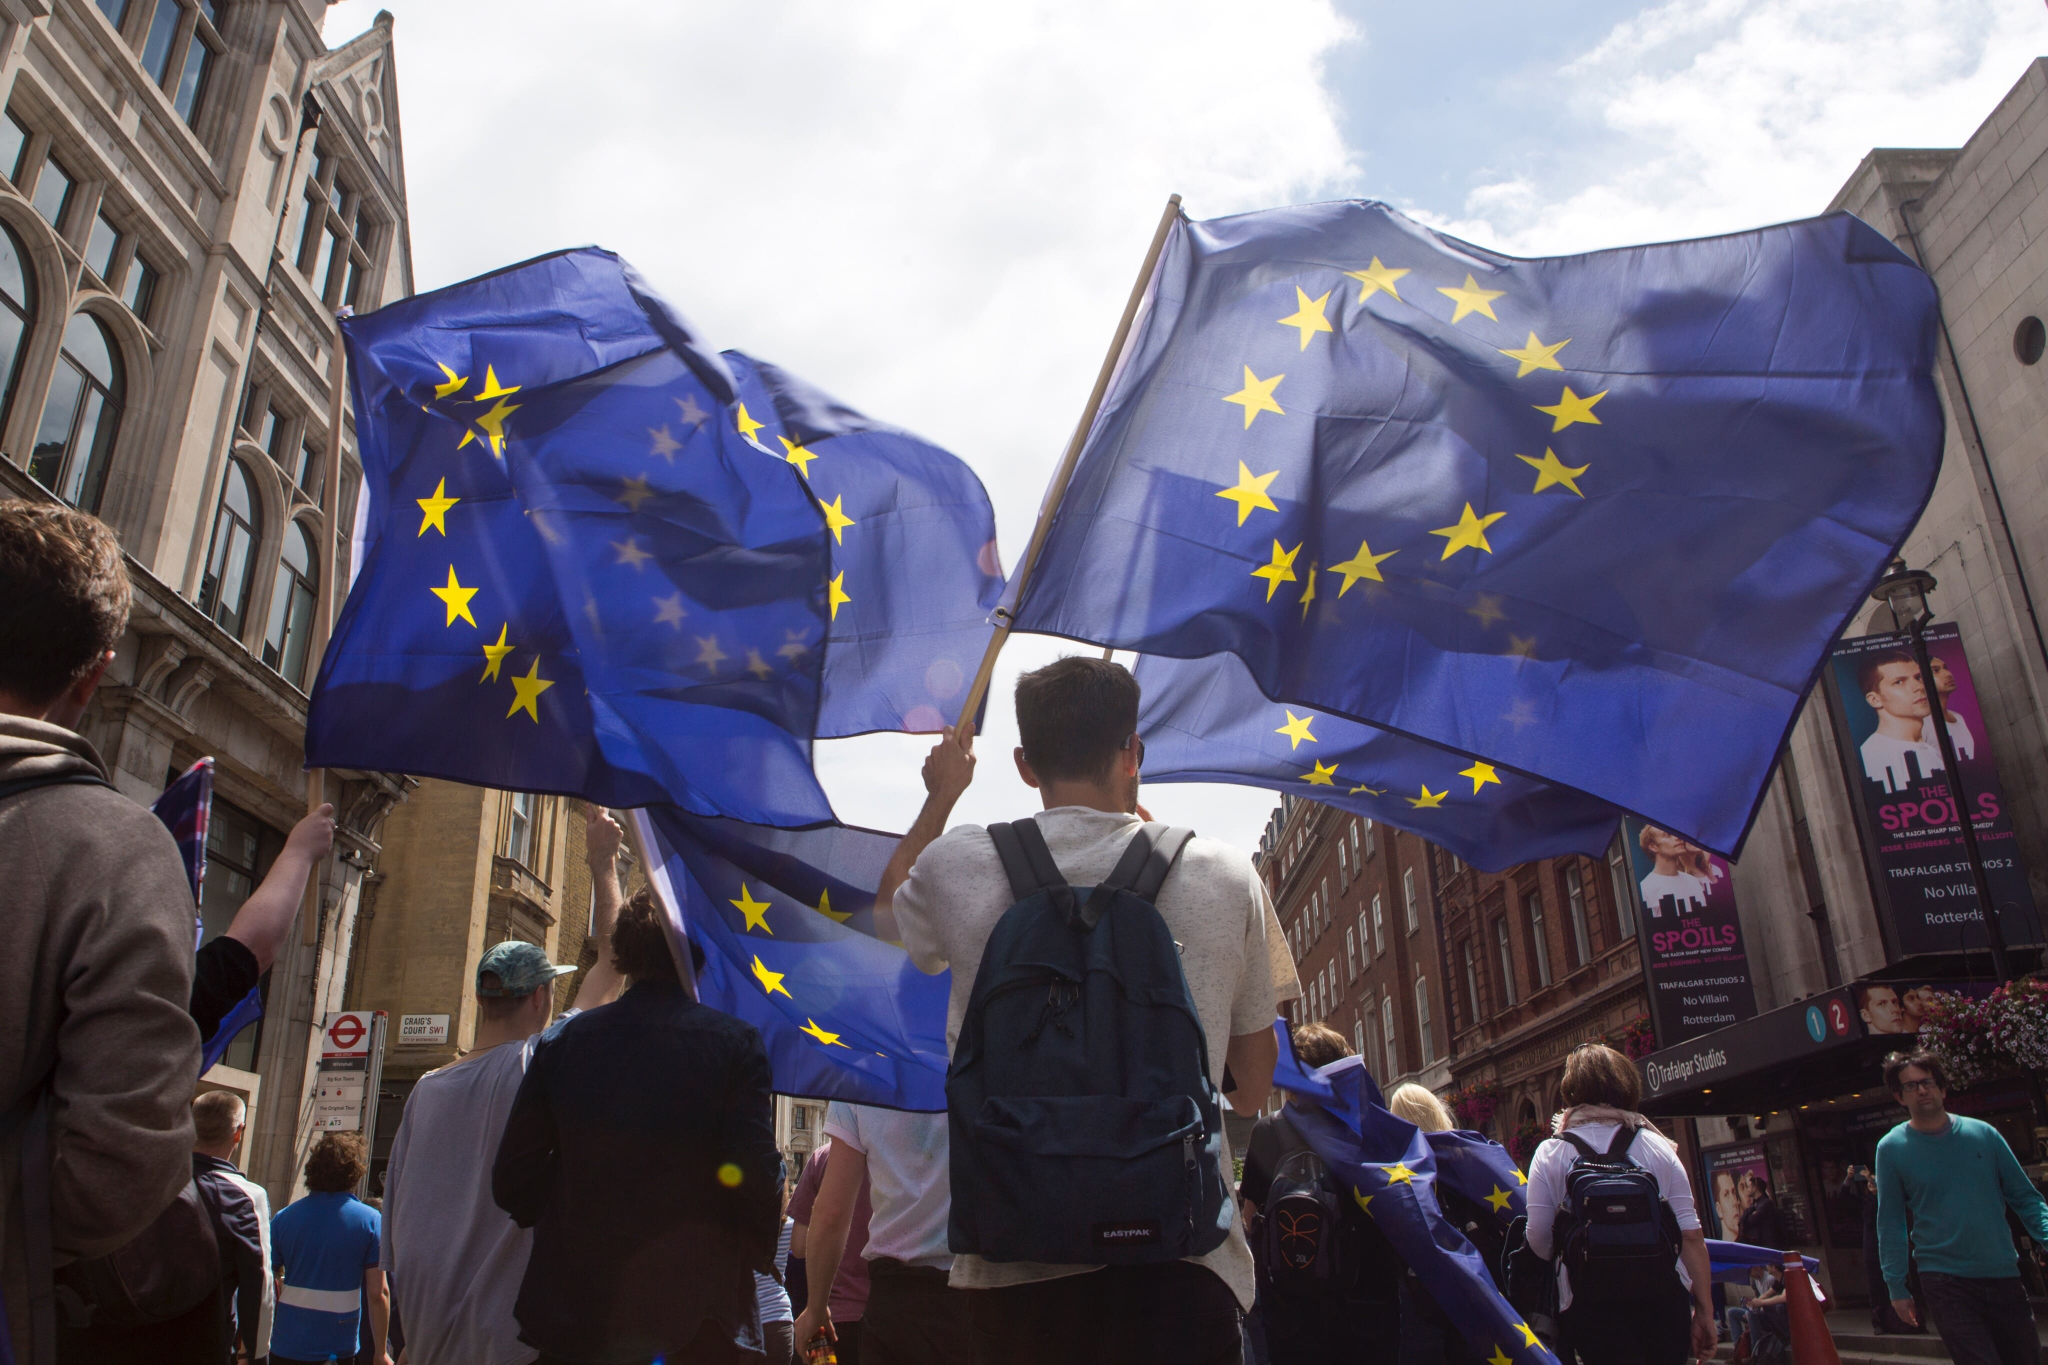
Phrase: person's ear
[1024,769]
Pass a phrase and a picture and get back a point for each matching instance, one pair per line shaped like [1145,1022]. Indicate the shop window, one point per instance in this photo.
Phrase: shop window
[80,417]
[237,529]
[292,596]
[1575,910]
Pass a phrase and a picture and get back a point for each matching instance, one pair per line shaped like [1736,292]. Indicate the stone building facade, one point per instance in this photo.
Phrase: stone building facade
[189,190]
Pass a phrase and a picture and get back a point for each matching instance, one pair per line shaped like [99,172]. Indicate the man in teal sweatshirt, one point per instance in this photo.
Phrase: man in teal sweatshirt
[1956,1177]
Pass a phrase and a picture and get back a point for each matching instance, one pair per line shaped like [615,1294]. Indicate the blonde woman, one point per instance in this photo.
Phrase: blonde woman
[1420,1106]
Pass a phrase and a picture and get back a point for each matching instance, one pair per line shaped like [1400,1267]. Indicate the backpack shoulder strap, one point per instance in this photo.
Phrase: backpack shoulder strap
[29,784]
[1151,855]
[1575,1141]
[1624,1138]
[1029,864]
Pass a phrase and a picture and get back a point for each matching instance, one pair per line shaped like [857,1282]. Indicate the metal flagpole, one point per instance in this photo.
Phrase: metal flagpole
[1058,488]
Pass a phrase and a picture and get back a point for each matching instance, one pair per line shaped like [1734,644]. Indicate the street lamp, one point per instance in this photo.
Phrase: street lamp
[1905,591]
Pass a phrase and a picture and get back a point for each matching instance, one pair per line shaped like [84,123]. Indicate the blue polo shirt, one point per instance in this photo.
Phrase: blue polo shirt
[321,1246]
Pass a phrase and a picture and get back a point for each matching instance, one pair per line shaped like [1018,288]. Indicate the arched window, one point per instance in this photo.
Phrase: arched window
[80,416]
[224,591]
[286,638]
[17,309]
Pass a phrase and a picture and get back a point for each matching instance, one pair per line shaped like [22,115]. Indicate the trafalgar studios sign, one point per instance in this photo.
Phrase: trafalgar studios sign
[1693,959]
[1894,758]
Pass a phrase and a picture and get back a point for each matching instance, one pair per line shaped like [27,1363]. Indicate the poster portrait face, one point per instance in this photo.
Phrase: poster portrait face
[1882,1009]
[1893,688]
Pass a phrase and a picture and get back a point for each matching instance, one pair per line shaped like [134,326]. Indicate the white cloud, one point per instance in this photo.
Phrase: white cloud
[932,210]
[1736,113]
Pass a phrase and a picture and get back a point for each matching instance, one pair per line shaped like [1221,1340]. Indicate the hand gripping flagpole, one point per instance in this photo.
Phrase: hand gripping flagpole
[1065,473]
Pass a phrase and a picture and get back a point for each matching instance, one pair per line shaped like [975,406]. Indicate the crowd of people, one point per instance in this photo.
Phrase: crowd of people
[604,1188]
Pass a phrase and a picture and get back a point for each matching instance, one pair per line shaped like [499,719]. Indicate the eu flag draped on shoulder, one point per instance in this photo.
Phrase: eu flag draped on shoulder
[1205,720]
[1392,1169]
[786,922]
[1594,519]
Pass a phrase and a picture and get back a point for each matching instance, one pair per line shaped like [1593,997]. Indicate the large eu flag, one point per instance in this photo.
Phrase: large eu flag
[1205,720]
[785,919]
[1593,518]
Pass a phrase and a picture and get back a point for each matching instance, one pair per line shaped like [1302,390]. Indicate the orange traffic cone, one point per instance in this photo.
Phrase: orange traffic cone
[1811,1344]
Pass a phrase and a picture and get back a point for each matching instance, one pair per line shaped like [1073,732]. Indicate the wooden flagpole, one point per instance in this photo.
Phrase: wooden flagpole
[1065,472]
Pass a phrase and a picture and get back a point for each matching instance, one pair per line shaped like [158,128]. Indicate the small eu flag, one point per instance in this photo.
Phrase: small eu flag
[1594,519]
[786,922]
[1205,720]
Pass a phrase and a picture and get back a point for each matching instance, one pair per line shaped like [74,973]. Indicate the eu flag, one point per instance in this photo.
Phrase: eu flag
[1205,720]
[1391,1168]
[914,567]
[576,575]
[1593,518]
[786,922]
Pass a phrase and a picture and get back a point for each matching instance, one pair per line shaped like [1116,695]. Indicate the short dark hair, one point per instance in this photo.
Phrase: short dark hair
[1596,1074]
[640,940]
[493,1008]
[337,1164]
[64,597]
[1866,672]
[1920,1057]
[1073,716]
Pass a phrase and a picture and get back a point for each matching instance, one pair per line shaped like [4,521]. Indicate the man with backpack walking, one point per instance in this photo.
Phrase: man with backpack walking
[1091,1033]
[1624,1278]
[97,1052]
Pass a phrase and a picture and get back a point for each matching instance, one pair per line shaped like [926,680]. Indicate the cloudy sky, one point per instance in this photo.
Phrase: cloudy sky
[935,210]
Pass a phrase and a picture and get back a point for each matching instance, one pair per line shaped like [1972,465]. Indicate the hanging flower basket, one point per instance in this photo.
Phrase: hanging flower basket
[1639,1039]
[1523,1142]
[2004,1034]
[1476,1104]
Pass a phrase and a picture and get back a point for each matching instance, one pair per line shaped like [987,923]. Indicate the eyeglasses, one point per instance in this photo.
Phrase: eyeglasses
[1136,744]
[1924,1084]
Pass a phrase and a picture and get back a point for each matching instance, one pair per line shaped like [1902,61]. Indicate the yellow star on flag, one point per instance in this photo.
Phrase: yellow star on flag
[1364,1199]
[1486,611]
[665,443]
[1308,315]
[1308,594]
[526,692]
[1499,1356]
[1470,299]
[759,666]
[1529,1337]
[457,599]
[494,655]
[825,907]
[1535,355]
[1257,396]
[1481,774]
[1571,408]
[1250,493]
[435,508]
[1398,1174]
[493,424]
[1469,533]
[709,654]
[1375,278]
[828,1039]
[1364,564]
[836,519]
[454,384]
[629,552]
[1522,645]
[1369,791]
[634,493]
[1429,800]
[1520,1176]
[800,456]
[755,911]
[668,611]
[691,411]
[1281,570]
[1552,472]
[1500,1199]
[1321,776]
[836,596]
[1296,729]
[793,646]
[492,388]
[747,427]
[771,982]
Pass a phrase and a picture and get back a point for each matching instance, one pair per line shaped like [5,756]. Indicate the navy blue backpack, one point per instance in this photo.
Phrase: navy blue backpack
[1084,1127]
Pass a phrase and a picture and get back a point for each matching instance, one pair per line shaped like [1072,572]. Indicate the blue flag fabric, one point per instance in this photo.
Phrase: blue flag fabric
[575,576]
[915,572]
[1592,518]
[1205,720]
[785,919]
[186,809]
[1731,1262]
[1391,1168]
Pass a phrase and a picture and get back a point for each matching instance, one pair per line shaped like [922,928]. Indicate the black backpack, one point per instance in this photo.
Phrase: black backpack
[166,1271]
[1084,1127]
[1298,1227]
[1617,1237]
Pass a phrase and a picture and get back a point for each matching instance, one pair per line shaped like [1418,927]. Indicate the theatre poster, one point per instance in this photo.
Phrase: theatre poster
[1693,958]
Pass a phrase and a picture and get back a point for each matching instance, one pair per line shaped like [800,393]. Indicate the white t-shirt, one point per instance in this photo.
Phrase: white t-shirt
[1651,1150]
[1682,886]
[1884,759]
[909,1180]
[1958,735]
[454,1257]
[1233,953]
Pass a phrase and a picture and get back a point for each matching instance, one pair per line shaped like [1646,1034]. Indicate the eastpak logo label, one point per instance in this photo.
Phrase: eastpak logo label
[1142,1232]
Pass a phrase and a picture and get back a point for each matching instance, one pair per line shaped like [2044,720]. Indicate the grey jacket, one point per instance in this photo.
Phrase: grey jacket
[96,944]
